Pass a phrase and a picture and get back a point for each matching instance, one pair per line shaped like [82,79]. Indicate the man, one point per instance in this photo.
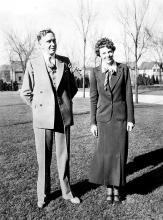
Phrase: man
[48,87]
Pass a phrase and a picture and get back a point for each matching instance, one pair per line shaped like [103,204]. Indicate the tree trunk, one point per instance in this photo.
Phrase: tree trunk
[160,80]
[136,83]
[136,75]
[84,69]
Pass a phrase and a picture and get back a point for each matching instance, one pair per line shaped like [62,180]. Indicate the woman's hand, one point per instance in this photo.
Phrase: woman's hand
[130,126]
[94,130]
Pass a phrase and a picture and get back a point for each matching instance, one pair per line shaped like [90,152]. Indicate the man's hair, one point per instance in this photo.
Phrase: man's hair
[43,33]
[104,42]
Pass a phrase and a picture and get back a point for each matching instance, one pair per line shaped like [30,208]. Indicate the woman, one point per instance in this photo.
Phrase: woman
[112,116]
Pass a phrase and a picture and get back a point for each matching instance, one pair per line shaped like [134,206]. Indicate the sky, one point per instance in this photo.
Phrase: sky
[24,16]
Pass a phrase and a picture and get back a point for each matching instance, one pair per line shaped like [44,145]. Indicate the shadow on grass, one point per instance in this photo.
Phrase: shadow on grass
[83,187]
[142,185]
[78,189]
[147,105]
[16,123]
[53,196]
[13,104]
[148,181]
[152,158]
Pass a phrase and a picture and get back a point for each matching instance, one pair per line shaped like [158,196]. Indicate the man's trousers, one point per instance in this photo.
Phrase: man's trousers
[44,142]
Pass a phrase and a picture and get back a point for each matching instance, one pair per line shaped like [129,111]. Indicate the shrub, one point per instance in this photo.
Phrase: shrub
[8,86]
[157,81]
[153,81]
[1,85]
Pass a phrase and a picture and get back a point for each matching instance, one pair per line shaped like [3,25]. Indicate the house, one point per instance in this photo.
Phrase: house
[12,72]
[151,68]
[17,72]
[5,73]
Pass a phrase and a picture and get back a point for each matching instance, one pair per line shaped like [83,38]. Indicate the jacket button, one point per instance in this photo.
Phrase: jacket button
[41,91]
[60,101]
[41,105]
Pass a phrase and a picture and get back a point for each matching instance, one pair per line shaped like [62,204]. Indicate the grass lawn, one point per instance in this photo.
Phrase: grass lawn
[18,167]
[150,90]
[143,90]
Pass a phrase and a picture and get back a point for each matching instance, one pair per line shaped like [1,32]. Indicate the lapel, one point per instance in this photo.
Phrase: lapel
[115,77]
[42,71]
[59,73]
[101,77]
[43,76]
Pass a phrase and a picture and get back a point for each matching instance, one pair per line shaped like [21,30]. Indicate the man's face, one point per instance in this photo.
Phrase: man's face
[107,55]
[48,44]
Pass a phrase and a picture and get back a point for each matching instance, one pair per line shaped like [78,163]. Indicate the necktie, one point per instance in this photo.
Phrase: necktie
[108,75]
[51,63]
[106,79]
[52,70]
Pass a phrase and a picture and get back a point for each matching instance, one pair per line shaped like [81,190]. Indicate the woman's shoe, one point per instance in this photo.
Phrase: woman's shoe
[109,199]
[109,195]
[117,199]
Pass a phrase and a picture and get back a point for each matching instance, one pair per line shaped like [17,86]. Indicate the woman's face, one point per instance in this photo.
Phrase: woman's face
[107,55]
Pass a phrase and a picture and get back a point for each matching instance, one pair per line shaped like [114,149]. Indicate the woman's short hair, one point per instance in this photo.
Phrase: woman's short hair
[104,42]
[43,33]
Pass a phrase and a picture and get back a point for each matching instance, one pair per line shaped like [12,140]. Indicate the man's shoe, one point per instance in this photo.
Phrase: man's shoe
[40,204]
[74,200]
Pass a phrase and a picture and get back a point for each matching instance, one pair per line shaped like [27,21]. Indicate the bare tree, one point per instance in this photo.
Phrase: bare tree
[126,46]
[135,25]
[94,37]
[70,51]
[20,49]
[84,21]
[157,47]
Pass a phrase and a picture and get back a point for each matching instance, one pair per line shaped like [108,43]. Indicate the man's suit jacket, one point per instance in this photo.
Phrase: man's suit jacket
[117,101]
[37,91]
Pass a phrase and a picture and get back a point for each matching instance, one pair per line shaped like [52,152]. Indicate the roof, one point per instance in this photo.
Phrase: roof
[5,67]
[147,65]
[131,65]
[16,65]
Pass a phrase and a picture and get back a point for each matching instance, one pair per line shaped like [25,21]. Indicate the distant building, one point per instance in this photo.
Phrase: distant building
[17,72]
[5,73]
[12,72]
[152,68]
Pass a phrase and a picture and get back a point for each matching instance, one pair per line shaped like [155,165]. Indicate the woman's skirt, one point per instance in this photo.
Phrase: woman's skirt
[108,166]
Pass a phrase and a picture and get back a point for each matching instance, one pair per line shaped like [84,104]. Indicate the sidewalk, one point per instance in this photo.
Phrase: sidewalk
[80,94]
[150,99]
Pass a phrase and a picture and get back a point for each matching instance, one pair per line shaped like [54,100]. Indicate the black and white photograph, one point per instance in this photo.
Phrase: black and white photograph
[81,110]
